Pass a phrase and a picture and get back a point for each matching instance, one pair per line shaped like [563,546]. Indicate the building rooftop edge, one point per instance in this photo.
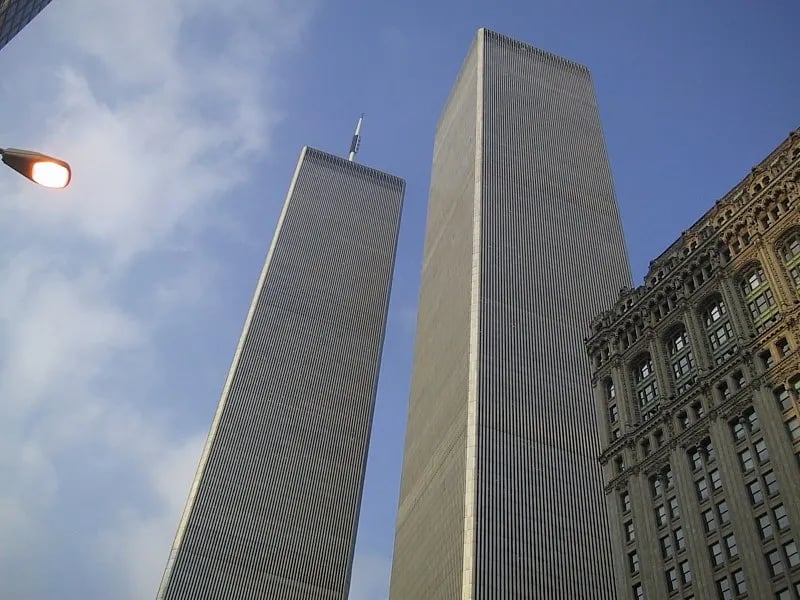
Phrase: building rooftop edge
[506,39]
[731,199]
[352,164]
[484,32]
[728,197]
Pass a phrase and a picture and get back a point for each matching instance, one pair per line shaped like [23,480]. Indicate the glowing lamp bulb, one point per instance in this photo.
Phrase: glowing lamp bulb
[50,174]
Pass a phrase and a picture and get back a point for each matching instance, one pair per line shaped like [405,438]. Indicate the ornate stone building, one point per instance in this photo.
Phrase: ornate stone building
[697,385]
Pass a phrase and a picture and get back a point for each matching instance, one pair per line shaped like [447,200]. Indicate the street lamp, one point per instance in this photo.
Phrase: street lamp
[39,168]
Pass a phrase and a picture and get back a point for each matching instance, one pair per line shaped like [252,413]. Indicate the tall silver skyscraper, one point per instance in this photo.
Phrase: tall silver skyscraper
[275,502]
[501,494]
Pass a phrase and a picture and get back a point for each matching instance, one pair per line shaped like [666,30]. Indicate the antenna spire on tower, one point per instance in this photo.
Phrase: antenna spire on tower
[356,140]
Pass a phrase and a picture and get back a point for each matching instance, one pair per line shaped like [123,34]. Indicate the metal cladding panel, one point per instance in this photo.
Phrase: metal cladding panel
[274,508]
[552,257]
[15,15]
[429,538]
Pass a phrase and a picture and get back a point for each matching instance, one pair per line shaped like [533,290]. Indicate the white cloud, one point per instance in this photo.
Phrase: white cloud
[161,108]
[148,534]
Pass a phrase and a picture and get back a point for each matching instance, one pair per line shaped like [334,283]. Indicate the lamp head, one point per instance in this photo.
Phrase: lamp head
[39,168]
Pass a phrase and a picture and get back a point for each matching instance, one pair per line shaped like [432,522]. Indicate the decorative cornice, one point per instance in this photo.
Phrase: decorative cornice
[774,175]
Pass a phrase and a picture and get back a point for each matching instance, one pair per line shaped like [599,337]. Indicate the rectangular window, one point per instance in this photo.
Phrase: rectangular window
[783,398]
[722,509]
[633,562]
[680,542]
[678,342]
[739,585]
[730,543]
[761,451]
[754,490]
[792,556]
[666,548]
[613,413]
[716,481]
[761,304]
[737,430]
[715,313]
[709,523]
[781,520]
[625,499]
[772,483]
[752,421]
[655,486]
[724,589]
[715,550]
[793,427]
[754,280]
[661,515]
[764,526]
[774,563]
[682,366]
[696,460]
[673,508]
[686,573]
[645,370]
[702,489]
[638,592]
[746,459]
[672,580]
[647,393]
[721,336]
[629,533]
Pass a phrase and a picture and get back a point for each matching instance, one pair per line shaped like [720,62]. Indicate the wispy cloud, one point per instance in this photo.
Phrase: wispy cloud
[162,109]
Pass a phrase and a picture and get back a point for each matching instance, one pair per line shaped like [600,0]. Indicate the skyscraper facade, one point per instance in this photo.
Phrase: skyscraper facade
[501,493]
[15,14]
[273,509]
[697,384]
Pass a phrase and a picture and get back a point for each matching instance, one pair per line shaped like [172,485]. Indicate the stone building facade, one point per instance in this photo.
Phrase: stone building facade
[697,386]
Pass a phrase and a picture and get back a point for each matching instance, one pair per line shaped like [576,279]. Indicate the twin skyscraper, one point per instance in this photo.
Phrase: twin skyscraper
[501,494]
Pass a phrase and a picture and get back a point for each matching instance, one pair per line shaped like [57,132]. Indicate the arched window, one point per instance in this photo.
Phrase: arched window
[790,254]
[719,330]
[644,377]
[759,298]
[681,359]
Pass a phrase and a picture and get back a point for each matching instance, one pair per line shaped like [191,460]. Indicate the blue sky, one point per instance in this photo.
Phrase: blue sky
[123,296]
